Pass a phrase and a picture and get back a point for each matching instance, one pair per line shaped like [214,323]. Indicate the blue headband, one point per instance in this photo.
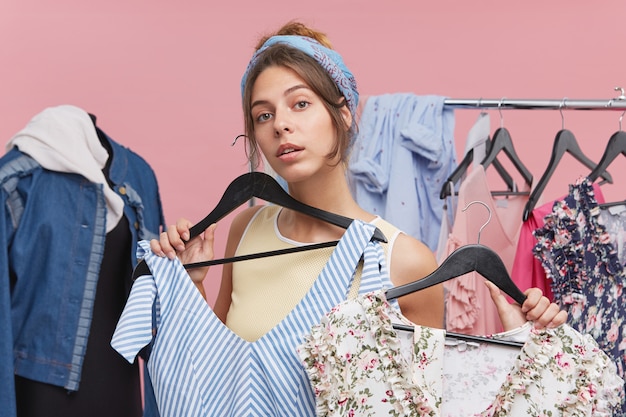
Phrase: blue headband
[329,59]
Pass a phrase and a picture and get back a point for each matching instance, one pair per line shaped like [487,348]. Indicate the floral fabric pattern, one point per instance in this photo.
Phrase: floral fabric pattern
[587,277]
[614,221]
[357,367]
[476,371]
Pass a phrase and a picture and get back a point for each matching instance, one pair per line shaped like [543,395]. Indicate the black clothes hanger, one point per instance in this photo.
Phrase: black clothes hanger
[615,147]
[612,204]
[446,189]
[264,187]
[565,141]
[468,258]
[502,142]
[465,337]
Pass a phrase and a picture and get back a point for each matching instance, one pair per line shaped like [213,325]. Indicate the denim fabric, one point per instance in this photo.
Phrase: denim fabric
[52,232]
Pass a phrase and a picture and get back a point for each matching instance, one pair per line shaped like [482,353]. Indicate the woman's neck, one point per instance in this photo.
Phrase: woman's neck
[330,195]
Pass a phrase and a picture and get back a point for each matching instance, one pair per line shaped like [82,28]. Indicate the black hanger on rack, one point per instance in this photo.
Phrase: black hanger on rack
[467,258]
[502,142]
[565,141]
[447,188]
[264,187]
[615,147]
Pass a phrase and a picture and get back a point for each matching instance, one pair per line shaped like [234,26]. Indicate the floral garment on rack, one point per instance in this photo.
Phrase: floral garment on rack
[358,367]
[613,218]
[587,277]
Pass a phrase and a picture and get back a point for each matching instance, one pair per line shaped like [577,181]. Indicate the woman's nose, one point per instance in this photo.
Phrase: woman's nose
[282,123]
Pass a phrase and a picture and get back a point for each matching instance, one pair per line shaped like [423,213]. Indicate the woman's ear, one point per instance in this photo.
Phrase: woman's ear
[347,116]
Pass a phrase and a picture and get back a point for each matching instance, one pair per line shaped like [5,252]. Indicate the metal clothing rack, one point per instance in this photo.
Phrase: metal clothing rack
[534,104]
[617,103]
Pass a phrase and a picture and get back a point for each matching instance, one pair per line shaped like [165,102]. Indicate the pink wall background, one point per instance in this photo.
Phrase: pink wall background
[163,77]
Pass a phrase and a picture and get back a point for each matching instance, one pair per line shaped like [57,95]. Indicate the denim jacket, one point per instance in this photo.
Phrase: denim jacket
[52,229]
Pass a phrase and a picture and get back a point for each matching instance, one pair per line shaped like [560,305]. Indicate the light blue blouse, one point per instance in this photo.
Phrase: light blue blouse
[402,156]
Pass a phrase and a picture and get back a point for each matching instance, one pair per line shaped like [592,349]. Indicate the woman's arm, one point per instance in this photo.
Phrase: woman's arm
[413,260]
[237,227]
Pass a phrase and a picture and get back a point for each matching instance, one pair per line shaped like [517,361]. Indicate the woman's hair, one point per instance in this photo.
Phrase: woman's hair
[298,29]
[313,74]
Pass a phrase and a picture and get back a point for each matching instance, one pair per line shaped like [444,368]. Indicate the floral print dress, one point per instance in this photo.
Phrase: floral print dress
[357,366]
[613,219]
[587,277]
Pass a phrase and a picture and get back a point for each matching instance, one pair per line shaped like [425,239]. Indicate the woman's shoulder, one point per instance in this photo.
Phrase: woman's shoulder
[261,211]
[412,258]
[389,230]
[243,219]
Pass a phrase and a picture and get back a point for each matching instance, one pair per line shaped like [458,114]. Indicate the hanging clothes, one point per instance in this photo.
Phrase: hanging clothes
[63,139]
[358,366]
[106,378]
[587,278]
[614,221]
[403,153]
[527,269]
[477,138]
[469,308]
[203,368]
[476,143]
[73,203]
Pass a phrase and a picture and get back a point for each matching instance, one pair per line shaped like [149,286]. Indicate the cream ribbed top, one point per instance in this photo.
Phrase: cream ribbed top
[265,290]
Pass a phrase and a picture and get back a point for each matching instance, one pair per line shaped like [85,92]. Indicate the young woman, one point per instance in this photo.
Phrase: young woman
[299,103]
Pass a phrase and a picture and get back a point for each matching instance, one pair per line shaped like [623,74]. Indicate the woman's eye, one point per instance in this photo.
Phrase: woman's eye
[264,117]
[302,104]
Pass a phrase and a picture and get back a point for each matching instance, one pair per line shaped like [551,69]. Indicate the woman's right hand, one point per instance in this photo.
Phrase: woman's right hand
[174,243]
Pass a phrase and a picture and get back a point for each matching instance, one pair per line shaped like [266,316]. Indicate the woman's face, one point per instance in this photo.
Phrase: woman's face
[291,125]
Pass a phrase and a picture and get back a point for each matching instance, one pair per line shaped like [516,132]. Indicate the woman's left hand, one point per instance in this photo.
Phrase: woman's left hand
[537,308]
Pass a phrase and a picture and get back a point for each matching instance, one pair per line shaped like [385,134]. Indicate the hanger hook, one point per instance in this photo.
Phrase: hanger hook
[620,97]
[500,111]
[479,106]
[488,219]
[561,111]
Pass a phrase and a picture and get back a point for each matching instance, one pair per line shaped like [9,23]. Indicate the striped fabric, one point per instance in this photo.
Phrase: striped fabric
[199,367]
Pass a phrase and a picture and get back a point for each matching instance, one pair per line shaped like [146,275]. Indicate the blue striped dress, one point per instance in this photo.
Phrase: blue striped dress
[199,367]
